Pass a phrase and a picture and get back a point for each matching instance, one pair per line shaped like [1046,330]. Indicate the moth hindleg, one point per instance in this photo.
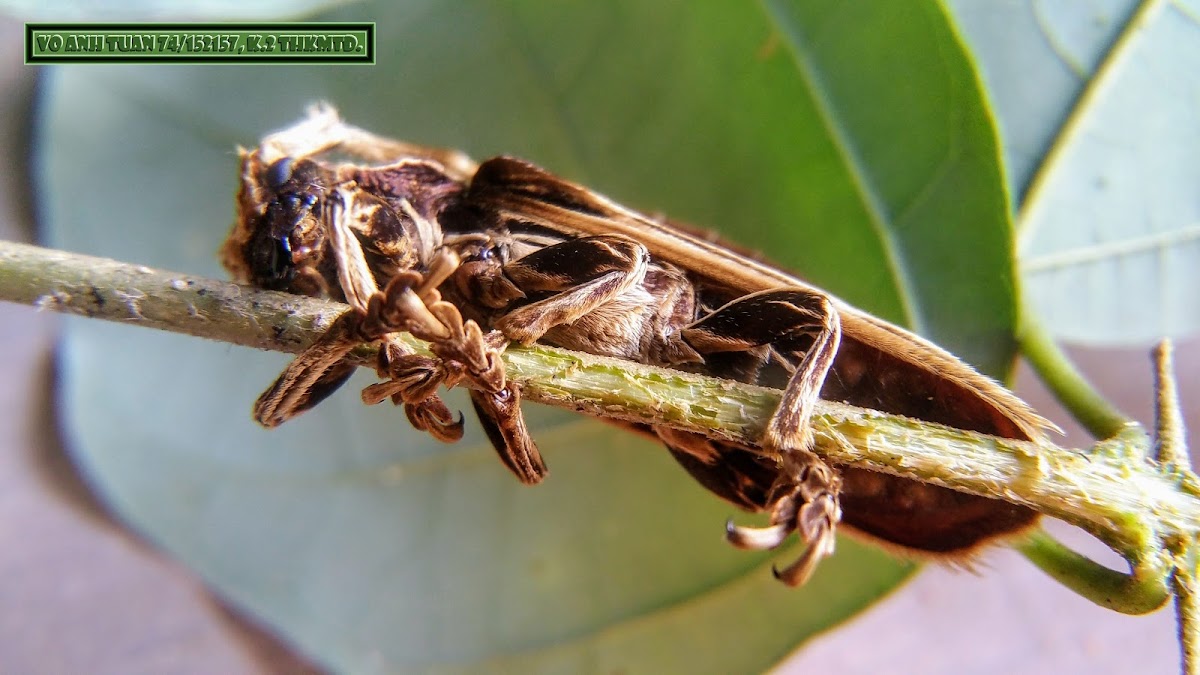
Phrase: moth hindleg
[805,496]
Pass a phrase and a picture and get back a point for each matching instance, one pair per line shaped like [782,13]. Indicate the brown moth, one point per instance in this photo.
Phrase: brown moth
[470,257]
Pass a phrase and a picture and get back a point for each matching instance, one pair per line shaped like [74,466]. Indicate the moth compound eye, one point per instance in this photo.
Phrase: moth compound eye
[294,206]
[484,254]
[279,173]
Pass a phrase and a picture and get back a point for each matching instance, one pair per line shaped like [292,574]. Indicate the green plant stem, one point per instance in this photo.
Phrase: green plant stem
[1187,605]
[1172,455]
[1170,447]
[1143,591]
[1110,490]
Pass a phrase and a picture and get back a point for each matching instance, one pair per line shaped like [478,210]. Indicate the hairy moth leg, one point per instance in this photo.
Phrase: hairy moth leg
[312,376]
[583,275]
[462,351]
[411,380]
[766,325]
[500,414]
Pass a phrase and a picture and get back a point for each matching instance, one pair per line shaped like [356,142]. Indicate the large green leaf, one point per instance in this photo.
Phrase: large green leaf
[1036,59]
[849,140]
[1111,235]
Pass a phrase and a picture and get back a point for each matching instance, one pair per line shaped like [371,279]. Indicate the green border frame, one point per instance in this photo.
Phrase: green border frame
[367,58]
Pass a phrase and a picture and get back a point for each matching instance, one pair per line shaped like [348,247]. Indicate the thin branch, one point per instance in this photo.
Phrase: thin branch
[1111,490]
[1172,455]
[1187,607]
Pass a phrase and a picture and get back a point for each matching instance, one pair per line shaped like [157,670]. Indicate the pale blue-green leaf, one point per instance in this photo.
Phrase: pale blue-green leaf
[1036,57]
[846,139]
[163,10]
[1110,238]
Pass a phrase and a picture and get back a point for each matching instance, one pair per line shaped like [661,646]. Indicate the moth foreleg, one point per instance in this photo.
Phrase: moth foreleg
[500,414]
[462,352]
[581,275]
[412,380]
[313,375]
[805,498]
[412,305]
[354,274]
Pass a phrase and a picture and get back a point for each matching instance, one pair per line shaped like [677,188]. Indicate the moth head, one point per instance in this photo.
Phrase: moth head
[279,241]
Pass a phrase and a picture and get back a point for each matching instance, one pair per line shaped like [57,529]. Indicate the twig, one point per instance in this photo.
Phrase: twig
[1172,454]
[1111,490]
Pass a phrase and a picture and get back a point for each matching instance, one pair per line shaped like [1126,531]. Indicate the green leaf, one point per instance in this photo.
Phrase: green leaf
[1036,58]
[1110,229]
[848,140]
